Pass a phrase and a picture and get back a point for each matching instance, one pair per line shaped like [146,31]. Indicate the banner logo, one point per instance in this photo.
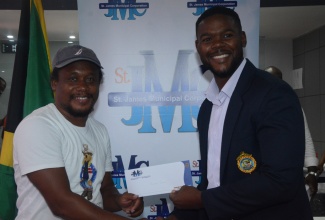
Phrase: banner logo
[148,93]
[196,172]
[161,210]
[128,9]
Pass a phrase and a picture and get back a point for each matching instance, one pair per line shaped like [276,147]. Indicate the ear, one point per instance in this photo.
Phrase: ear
[243,39]
[196,43]
[53,85]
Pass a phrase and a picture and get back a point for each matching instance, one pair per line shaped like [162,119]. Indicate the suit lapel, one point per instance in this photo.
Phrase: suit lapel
[204,120]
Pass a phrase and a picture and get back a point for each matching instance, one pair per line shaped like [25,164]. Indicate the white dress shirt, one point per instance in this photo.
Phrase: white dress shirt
[220,100]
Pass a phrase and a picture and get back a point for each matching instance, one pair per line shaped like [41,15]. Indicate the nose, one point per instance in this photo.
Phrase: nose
[82,85]
[217,42]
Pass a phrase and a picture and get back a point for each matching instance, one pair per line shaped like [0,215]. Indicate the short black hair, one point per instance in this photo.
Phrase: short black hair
[219,10]
[55,74]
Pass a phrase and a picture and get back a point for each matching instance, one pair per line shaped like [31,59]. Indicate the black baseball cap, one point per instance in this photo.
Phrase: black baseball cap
[69,54]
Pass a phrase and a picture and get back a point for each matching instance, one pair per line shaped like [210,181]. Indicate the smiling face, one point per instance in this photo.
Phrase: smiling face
[220,45]
[76,90]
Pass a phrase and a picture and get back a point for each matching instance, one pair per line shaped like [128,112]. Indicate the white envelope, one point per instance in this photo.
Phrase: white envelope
[159,179]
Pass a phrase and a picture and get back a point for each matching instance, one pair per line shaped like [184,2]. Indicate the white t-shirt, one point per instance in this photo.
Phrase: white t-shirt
[45,139]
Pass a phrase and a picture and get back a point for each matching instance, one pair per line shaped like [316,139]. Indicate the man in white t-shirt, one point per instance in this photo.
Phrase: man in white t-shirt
[62,156]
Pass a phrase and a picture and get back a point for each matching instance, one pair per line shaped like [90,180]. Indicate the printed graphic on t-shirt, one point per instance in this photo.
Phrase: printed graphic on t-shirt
[88,173]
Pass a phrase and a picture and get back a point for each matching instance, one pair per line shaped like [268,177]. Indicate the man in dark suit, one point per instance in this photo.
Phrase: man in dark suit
[251,132]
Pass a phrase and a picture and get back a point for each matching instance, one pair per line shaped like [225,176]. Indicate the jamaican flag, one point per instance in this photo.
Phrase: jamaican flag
[30,89]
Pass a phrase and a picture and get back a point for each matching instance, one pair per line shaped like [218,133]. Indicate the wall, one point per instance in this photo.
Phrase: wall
[277,52]
[309,54]
[6,65]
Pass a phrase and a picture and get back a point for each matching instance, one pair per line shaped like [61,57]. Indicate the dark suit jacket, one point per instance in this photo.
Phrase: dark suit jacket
[264,119]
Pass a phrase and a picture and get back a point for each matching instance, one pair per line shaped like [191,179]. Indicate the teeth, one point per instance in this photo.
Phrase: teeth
[81,98]
[220,56]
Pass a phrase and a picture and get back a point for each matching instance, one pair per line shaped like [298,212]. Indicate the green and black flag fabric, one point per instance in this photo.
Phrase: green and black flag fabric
[30,89]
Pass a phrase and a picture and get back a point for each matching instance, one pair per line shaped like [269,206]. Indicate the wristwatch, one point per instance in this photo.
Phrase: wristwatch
[312,173]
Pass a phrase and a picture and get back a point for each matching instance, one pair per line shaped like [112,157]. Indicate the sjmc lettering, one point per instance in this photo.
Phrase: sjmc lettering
[181,82]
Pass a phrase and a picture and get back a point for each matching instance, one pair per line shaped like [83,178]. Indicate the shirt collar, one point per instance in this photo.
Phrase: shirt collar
[213,94]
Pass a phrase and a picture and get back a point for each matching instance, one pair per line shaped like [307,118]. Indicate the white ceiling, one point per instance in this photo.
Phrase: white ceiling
[290,22]
[59,24]
[275,22]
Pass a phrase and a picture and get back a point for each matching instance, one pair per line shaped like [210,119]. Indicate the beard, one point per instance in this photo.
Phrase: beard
[79,113]
[227,73]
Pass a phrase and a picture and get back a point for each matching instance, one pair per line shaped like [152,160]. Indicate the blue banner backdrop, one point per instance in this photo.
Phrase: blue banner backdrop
[153,86]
